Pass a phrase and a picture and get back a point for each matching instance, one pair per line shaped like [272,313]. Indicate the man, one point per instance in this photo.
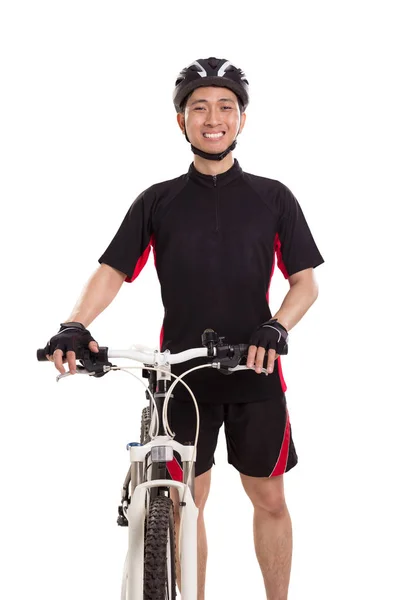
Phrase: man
[215,232]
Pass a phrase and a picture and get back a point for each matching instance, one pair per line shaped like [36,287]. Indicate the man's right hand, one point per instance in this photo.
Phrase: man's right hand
[63,346]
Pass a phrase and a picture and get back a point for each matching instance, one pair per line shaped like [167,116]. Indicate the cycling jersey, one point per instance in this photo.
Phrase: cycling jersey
[214,240]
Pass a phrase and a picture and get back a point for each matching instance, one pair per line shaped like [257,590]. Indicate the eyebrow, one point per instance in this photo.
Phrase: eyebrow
[220,100]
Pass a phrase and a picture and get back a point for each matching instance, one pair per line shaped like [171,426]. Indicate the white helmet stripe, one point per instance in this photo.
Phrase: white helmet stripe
[202,72]
[223,69]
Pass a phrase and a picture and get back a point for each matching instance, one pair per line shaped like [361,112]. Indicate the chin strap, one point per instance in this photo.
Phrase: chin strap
[208,155]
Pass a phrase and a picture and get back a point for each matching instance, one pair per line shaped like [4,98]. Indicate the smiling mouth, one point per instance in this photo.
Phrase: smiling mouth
[214,136]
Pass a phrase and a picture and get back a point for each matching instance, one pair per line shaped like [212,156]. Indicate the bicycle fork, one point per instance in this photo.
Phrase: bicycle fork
[137,514]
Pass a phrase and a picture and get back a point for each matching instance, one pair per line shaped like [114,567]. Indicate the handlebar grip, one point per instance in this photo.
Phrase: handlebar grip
[41,354]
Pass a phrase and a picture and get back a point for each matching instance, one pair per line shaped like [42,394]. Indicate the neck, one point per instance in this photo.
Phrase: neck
[213,167]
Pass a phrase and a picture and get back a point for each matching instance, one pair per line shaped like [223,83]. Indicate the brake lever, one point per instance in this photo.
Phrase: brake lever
[244,368]
[80,371]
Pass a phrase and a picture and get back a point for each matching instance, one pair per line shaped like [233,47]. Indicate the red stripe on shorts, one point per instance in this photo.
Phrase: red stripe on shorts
[281,463]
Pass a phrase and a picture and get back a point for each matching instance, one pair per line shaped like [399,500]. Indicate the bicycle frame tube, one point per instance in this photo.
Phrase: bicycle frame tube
[139,453]
[162,382]
[135,508]
[136,518]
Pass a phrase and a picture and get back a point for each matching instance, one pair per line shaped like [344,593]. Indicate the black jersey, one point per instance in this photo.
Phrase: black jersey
[215,239]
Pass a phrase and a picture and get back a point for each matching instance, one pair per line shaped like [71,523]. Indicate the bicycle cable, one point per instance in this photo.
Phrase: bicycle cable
[165,408]
[178,379]
[155,412]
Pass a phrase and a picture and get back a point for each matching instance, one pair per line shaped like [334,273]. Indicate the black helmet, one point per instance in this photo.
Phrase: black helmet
[211,71]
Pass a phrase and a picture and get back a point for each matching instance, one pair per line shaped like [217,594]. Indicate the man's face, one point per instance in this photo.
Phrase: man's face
[212,118]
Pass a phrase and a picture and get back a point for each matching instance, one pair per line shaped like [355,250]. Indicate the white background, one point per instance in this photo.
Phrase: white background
[87,123]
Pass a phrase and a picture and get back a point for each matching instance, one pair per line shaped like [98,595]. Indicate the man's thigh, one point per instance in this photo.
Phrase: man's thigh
[183,421]
[259,438]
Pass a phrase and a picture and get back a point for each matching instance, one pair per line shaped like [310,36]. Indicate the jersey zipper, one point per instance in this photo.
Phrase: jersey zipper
[216,204]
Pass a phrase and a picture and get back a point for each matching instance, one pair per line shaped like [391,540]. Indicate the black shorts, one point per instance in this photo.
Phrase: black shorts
[258,436]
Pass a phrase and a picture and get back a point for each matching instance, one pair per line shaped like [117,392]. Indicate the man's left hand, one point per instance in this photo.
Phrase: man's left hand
[256,357]
[269,337]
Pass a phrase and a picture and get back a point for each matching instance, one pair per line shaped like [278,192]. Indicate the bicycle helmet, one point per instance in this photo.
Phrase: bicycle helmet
[210,71]
[206,72]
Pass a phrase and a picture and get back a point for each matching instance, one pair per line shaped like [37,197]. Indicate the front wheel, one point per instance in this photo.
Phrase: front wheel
[159,551]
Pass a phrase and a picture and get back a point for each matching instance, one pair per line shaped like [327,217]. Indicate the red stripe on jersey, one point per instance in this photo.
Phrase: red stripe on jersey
[281,463]
[140,264]
[278,251]
[175,470]
[272,272]
[143,260]
[153,244]
[283,382]
[161,336]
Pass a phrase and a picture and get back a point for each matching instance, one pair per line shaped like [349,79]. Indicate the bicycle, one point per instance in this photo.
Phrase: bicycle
[146,506]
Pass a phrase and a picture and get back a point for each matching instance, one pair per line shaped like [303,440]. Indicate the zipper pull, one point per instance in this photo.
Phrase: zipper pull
[215,180]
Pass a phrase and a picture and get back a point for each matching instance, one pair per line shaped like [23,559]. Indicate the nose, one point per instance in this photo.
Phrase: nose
[213,117]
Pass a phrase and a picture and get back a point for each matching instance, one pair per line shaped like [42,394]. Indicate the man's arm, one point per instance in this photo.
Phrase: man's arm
[98,293]
[301,296]
[297,253]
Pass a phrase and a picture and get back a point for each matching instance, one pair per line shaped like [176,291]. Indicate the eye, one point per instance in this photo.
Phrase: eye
[199,108]
[227,107]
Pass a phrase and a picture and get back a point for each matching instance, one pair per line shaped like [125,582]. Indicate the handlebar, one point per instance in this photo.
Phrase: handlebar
[156,358]
[223,356]
[149,356]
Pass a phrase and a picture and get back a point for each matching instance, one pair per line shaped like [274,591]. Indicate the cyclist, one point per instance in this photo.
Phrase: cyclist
[215,232]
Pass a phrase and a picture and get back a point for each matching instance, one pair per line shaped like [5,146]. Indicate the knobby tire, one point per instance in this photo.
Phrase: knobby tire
[159,546]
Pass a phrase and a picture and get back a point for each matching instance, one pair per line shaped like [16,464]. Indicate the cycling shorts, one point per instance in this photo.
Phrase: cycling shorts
[258,436]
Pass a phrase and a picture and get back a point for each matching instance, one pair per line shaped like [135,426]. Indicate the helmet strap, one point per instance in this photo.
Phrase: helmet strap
[208,155]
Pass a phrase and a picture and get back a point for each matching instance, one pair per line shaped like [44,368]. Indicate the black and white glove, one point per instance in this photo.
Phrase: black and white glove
[71,336]
[271,335]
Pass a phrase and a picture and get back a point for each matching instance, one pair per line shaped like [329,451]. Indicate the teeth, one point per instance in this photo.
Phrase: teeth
[213,135]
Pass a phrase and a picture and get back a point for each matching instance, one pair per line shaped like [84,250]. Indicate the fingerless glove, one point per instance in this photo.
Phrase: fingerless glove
[271,335]
[71,336]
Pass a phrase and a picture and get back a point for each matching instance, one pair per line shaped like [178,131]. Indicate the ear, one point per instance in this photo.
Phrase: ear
[180,117]
[242,122]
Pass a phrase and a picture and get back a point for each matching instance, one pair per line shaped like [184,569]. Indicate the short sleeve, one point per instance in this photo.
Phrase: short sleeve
[130,248]
[295,247]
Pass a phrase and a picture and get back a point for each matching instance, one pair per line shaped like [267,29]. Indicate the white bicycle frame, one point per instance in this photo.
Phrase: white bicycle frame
[132,585]
[132,582]
[136,510]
